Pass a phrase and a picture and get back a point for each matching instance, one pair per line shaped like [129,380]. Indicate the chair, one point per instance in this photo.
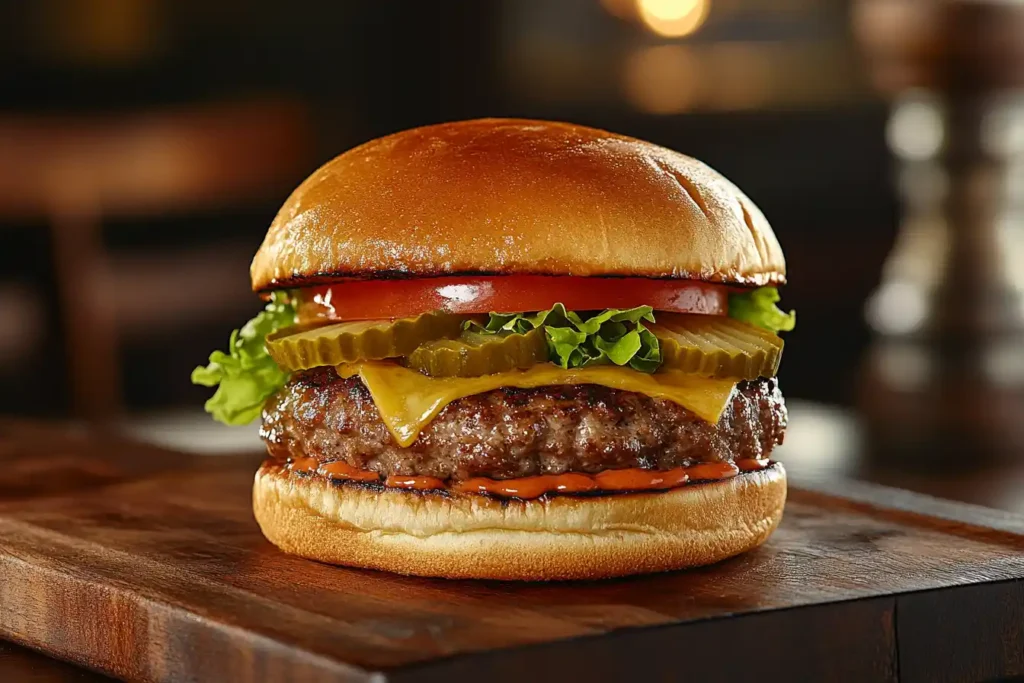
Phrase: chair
[77,172]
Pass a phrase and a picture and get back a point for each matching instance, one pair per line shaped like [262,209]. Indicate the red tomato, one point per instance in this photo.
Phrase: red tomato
[376,299]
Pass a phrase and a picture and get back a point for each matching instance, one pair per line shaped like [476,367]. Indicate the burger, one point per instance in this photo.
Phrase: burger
[513,349]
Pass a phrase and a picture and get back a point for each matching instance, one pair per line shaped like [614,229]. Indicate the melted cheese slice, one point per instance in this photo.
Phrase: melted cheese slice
[408,400]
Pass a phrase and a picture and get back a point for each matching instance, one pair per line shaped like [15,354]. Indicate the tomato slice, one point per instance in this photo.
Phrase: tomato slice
[377,299]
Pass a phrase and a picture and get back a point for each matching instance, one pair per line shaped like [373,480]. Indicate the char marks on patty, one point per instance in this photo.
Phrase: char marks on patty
[510,433]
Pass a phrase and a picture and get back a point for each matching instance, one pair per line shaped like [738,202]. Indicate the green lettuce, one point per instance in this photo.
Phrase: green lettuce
[246,375]
[757,307]
[613,336]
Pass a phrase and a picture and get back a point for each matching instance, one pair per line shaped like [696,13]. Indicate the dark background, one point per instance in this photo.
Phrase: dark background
[771,93]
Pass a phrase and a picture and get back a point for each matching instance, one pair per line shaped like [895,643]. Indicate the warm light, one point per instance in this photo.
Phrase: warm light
[673,18]
[916,128]
[663,79]
[897,308]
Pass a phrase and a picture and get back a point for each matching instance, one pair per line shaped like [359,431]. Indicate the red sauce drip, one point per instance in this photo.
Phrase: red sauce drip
[632,479]
[529,487]
[708,471]
[304,465]
[752,464]
[417,483]
[638,479]
[344,471]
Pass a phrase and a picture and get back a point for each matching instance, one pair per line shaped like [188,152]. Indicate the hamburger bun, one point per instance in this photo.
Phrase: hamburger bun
[508,197]
[474,536]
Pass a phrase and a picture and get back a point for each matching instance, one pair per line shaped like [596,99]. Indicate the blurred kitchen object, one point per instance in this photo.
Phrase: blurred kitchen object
[944,377]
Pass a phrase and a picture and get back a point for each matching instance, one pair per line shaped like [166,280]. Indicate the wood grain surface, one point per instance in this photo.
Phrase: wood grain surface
[21,665]
[147,565]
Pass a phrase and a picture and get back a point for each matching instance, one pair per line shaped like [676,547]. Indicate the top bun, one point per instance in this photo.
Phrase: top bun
[516,197]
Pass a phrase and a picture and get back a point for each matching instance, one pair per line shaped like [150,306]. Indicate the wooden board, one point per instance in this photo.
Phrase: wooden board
[147,565]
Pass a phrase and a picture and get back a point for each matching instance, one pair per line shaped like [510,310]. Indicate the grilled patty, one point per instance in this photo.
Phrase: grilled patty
[509,433]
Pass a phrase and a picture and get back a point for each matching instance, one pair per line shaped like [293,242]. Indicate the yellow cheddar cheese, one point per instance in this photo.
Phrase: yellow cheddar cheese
[408,400]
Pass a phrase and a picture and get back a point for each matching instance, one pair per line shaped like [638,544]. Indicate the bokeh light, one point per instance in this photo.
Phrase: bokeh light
[916,129]
[673,18]
[662,79]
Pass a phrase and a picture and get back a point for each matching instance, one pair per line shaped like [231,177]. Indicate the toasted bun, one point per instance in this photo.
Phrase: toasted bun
[504,197]
[477,537]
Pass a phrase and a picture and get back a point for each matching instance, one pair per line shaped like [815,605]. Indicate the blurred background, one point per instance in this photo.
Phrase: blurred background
[146,144]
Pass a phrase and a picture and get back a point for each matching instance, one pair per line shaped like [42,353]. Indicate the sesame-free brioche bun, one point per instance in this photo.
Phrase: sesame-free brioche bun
[513,197]
[474,536]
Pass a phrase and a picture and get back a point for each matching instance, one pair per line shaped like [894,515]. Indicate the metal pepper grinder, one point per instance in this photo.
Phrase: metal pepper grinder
[944,377]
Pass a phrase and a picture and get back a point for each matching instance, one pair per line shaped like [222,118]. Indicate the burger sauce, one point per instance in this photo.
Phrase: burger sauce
[631,479]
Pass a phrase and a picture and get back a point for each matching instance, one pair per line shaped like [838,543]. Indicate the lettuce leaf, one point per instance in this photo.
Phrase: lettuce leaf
[246,375]
[757,307]
[613,336]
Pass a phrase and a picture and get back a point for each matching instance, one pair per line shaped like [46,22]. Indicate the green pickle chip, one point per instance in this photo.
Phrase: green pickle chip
[302,346]
[716,346]
[474,354]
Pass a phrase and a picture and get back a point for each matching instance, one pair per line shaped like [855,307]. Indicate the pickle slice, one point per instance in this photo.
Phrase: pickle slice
[302,347]
[474,355]
[716,346]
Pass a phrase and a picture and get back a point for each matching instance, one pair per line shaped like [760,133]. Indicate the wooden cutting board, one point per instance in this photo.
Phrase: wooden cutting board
[147,565]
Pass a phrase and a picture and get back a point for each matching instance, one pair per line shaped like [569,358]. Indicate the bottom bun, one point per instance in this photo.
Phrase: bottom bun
[478,537]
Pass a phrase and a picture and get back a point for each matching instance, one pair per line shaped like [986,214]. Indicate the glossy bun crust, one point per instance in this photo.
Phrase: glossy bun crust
[504,196]
[472,536]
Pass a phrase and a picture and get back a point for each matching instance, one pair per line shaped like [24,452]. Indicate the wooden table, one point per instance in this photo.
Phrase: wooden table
[154,559]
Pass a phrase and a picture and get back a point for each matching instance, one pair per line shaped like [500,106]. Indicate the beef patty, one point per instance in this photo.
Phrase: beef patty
[509,433]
